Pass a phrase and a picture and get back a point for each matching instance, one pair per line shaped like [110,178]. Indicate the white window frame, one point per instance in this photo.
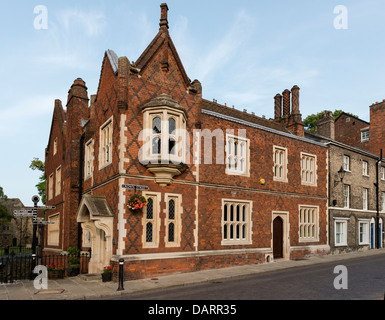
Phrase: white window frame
[365,135]
[236,228]
[280,160]
[343,222]
[308,169]
[365,199]
[176,221]
[55,146]
[308,223]
[179,136]
[364,232]
[346,196]
[237,155]
[382,173]
[155,220]
[347,163]
[88,159]
[58,181]
[365,168]
[53,232]
[106,144]
[50,187]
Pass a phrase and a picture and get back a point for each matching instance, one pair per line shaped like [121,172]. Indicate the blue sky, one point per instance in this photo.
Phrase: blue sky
[243,52]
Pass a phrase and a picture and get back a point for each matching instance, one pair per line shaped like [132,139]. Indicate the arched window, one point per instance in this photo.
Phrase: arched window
[150,218]
[171,218]
[156,125]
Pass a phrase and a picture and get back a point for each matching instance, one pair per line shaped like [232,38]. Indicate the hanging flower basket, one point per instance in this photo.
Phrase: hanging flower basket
[137,203]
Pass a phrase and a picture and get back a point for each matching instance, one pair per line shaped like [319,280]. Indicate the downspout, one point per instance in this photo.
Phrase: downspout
[81,165]
[377,233]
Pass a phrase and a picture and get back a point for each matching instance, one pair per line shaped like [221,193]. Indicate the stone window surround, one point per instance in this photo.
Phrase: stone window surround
[314,169]
[248,223]
[177,221]
[284,164]
[245,157]
[89,159]
[304,223]
[103,162]
[156,196]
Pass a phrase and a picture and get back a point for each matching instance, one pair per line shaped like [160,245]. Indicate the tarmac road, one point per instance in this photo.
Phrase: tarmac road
[365,281]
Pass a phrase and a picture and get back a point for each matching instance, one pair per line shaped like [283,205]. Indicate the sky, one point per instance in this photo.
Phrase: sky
[243,52]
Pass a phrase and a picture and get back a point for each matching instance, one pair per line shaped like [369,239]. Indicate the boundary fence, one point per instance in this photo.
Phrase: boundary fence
[19,265]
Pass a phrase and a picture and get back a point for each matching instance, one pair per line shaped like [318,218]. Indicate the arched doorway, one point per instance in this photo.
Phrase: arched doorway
[96,217]
[278,238]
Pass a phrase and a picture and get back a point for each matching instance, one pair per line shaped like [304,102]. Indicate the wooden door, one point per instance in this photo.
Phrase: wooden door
[278,238]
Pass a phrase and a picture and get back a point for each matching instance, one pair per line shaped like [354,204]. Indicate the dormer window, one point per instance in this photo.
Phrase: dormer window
[164,138]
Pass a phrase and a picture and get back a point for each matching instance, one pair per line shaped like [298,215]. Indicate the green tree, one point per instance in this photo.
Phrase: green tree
[2,194]
[37,164]
[311,121]
[5,216]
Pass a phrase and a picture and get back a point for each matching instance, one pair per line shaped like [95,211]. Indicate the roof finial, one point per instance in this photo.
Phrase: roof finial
[163,15]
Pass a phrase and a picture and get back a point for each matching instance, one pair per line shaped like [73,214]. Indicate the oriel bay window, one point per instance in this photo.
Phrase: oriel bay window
[164,139]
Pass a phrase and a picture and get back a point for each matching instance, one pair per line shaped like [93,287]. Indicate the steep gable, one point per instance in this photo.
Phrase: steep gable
[160,60]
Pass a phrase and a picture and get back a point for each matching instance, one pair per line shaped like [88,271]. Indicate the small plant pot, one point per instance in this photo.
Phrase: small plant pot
[55,274]
[106,277]
[73,271]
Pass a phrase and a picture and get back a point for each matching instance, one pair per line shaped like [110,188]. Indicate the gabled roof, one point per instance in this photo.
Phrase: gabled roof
[60,115]
[162,39]
[351,116]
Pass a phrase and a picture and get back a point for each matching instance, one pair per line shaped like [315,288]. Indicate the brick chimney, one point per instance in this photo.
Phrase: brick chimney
[295,100]
[286,104]
[278,107]
[163,16]
[326,125]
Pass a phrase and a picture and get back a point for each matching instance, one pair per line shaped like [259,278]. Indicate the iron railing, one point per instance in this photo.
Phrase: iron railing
[20,266]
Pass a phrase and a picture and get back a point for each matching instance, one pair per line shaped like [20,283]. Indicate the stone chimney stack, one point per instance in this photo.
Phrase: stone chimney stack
[326,125]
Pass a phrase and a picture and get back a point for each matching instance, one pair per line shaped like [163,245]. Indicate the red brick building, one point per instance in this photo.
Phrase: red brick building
[224,187]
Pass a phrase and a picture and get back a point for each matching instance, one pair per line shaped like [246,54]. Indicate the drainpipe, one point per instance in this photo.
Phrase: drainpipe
[81,165]
[377,224]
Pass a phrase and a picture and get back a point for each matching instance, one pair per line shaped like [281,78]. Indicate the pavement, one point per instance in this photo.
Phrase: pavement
[84,287]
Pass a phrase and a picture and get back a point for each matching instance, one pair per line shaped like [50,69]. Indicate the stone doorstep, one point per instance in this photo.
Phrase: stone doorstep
[90,277]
